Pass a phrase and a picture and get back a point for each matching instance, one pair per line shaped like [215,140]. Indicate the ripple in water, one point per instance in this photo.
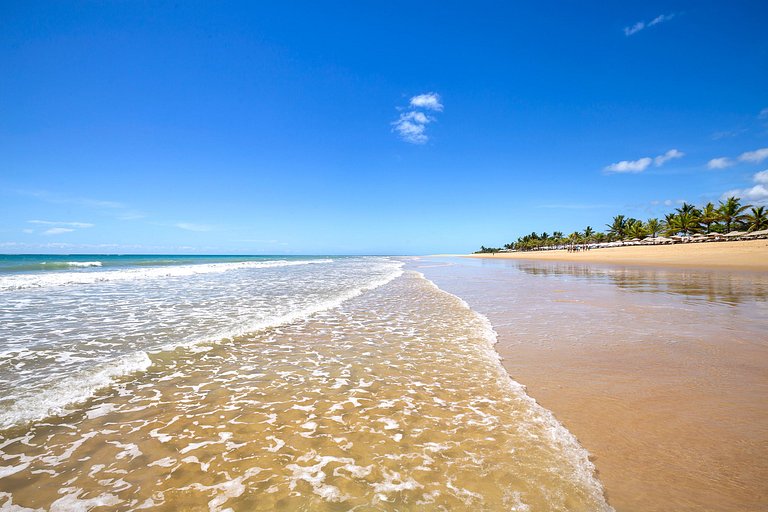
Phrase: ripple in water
[393,400]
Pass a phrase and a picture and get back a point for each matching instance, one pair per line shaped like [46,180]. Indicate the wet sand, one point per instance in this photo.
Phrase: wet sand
[746,255]
[661,374]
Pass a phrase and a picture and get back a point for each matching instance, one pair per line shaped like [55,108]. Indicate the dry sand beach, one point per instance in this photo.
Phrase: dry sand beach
[661,373]
[748,255]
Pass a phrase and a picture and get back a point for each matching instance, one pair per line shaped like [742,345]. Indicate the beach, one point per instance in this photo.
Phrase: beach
[326,383]
[746,255]
[661,373]
[264,383]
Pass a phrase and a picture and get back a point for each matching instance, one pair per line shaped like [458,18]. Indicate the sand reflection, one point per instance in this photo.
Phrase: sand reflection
[661,373]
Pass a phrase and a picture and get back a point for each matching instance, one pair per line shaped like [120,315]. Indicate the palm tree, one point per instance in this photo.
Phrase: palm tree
[684,222]
[757,219]
[636,229]
[653,227]
[687,208]
[709,215]
[732,211]
[588,234]
[618,227]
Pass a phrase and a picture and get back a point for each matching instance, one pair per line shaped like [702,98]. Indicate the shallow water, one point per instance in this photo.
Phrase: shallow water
[392,398]
[661,373]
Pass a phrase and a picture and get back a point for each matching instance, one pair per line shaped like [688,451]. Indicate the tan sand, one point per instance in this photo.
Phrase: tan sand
[662,374]
[669,427]
[747,255]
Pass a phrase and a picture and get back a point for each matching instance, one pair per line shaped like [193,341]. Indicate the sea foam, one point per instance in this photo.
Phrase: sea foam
[24,281]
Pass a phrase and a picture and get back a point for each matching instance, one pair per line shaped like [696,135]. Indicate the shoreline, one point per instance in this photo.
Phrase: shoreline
[751,255]
[658,373]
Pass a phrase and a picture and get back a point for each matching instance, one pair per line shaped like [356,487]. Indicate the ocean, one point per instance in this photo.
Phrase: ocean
[264,383]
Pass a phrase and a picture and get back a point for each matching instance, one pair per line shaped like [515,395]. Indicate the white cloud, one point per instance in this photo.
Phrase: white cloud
[641,164]
[720,163]
[57,231]
[429,100]
[669,155]
[757,194]
[60,223]
[193,227]
[756,156]
[641,25]
[630,165]
[28,231]
[763,114]
[412,125]
[411,132]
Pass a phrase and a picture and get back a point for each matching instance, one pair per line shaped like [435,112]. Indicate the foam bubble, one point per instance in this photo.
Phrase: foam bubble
[53,401]
[23,281]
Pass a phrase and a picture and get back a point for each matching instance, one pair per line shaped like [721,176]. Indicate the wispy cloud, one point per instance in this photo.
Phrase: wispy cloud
[57,227]
[720,163]
[188,226]
[61,223]
[641,164]
[669,155]
[756,156]
[642,25]
[57,231]
[50,197]
[412,124]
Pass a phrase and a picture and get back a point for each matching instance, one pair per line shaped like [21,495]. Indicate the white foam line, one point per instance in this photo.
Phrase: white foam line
[24,281]
[76,389]
[577,455]
[53,401]
[293,316]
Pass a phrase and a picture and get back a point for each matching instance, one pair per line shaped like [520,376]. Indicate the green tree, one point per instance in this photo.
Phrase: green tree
[588,234]
[757,219]
[688,208]
[635,229]
[709,215]
[683,222]
[732,211]
[653,227]
[618,228]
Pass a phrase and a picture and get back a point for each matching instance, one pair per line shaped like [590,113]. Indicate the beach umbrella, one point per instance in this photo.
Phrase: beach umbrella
[756,234]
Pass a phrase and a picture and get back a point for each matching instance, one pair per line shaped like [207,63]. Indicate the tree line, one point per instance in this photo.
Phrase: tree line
[729,215]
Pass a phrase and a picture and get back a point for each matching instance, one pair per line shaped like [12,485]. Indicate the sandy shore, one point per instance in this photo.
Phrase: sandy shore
[746,255]
[661,373]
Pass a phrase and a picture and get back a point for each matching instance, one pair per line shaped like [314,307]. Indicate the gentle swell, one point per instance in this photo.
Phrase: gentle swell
[24,281]
[55,400]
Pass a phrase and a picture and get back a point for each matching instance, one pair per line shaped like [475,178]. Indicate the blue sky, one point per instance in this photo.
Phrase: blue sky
[348,128]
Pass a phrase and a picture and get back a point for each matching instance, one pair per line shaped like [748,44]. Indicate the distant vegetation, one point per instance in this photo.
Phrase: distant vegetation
[730,215]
